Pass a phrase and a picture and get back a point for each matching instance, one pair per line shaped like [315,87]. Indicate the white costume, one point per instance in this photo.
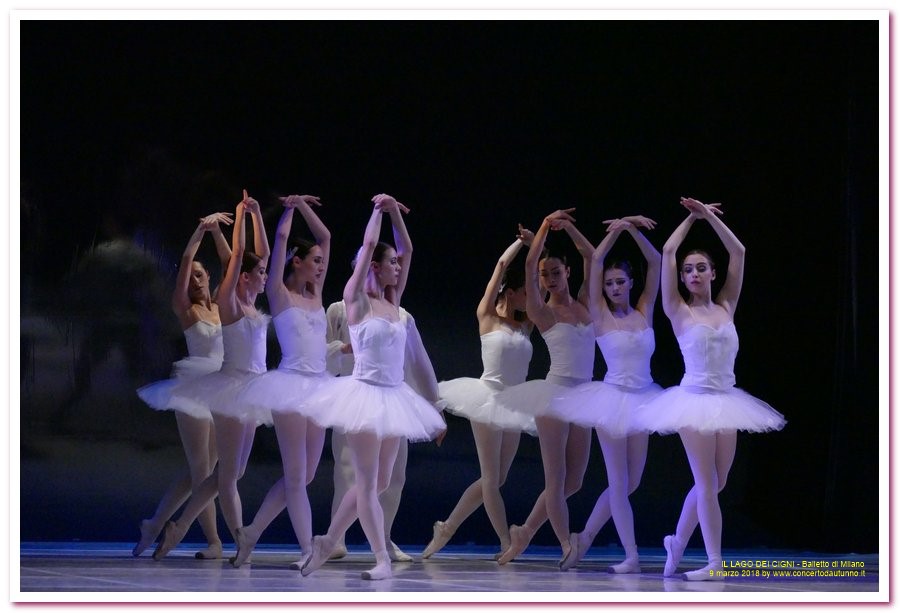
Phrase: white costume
[609,404]
[505,354]
[244,359]
[706,400]
[205,352]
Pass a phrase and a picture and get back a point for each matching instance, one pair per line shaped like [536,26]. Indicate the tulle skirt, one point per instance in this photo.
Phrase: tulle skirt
[158,395]
[535,398]
[281,391]
[706,410]
[472,398]
[350,405]
[220,393]
[605,406]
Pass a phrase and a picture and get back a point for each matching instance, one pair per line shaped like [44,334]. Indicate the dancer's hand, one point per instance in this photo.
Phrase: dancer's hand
[701,210]
[251,205]
[439,439]
[214,219]
[557,218]
[525,235]
[388,203]
[294,201]
[639,221]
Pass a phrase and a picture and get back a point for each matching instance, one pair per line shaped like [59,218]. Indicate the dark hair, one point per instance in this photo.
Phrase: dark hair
[513,279]
[380,249]
[712,264]
[249,261]
[622,265]
[301,249]
[546,254]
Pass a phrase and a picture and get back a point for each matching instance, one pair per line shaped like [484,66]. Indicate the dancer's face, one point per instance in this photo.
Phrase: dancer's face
[198,283]
[697,274]
[256,279]
[311,268]
[617,286]
[387,271]
[516,298]
[554,275]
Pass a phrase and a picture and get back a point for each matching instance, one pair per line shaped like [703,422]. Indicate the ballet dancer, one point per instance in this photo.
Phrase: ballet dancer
[625,337]
[198,315]
[506,350]
[565,324]
[294,292]
[244,340]
[706,409]
[418,372]
[373,407]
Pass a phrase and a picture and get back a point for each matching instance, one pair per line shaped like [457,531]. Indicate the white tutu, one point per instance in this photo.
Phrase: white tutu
[158,395]
[349,405]
[281,391]
[706,410]
[532,398]
[471,398]
[597,404]
[219,393]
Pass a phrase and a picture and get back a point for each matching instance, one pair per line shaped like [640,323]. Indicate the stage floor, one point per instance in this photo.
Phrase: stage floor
[54,572]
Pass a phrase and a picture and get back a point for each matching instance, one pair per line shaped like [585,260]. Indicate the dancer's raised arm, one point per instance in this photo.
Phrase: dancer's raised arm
[728,296]
[585,249]
[355,289]
[276,290]
[181,297]
[538,311]
[487,305]
[615,227]
[402,242]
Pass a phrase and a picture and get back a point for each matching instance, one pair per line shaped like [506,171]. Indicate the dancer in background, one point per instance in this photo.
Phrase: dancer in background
[418,373]
[565,324]
[244,339]
[198,315]
[505,352]
[294,290]
[625,337]
[705,409]
[374,407]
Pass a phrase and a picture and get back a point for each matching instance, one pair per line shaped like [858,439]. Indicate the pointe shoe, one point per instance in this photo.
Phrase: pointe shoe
[170,539]
[148,536]
[245,544]
[442,535]
[519,537]
[213,552]
[673,555]
[576,552]
[710,572]
[396,554]
[382,568]
[625,567]
[299,563]
[339,551]
[320,551]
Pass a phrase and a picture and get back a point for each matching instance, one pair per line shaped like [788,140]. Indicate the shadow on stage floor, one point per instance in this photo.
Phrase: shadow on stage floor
[53,572]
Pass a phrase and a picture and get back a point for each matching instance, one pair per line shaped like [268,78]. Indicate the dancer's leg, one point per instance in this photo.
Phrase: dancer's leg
[199,441]
[343,481]
[291,430]
[390,500]
[709,456]
[373,460]
[235,440]
[615,457]
[175,495]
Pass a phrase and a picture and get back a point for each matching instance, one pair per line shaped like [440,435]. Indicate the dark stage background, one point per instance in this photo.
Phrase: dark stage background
[132,130]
